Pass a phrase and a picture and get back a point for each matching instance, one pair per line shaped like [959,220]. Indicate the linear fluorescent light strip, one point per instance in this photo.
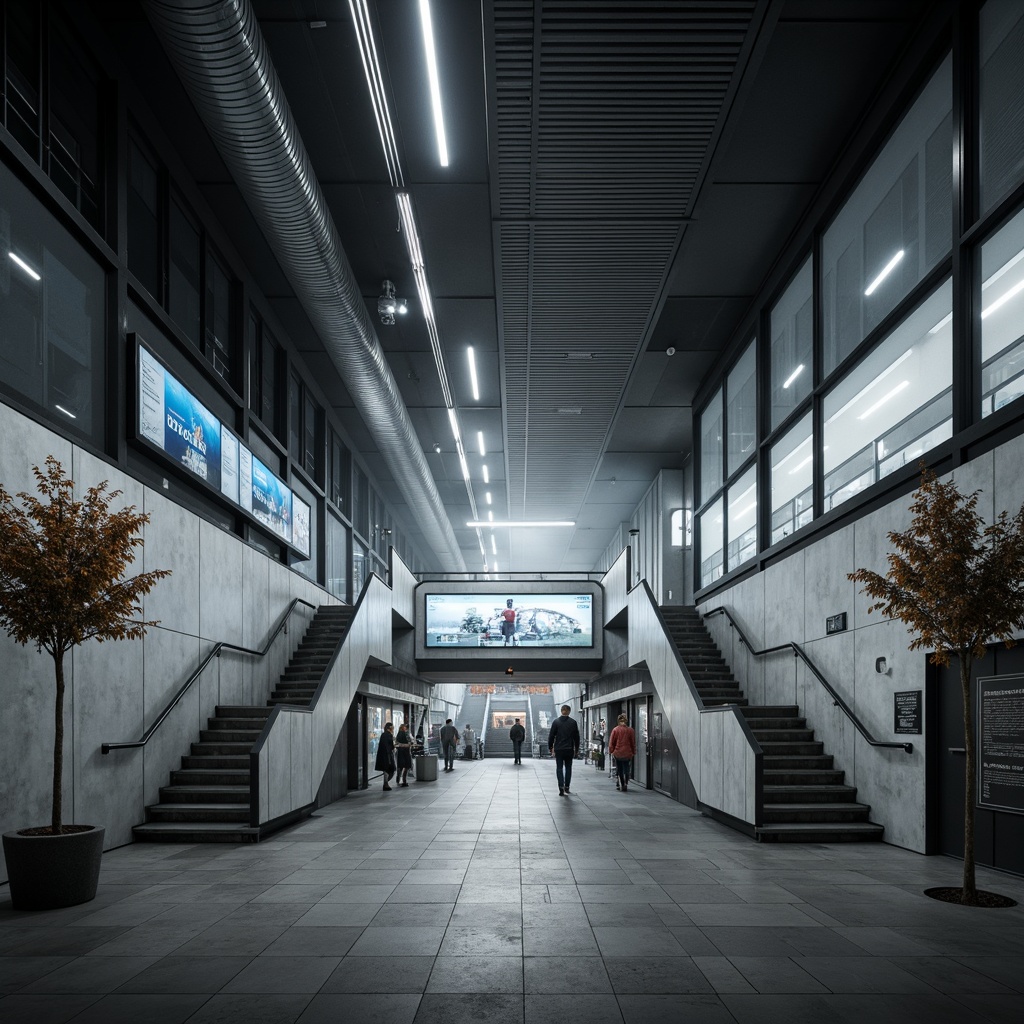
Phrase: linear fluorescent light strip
[793,376]
[15,258]
[885,398]
[480,442]
[522,523]
[378,95]
[867,387]
[494,545]
[806,441]
[435,84]
[886,271]
[67,412]
[1003,299]
[487,476]
[473,383]
[487,497]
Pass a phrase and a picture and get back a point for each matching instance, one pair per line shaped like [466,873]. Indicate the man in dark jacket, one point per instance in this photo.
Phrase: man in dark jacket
[564,744]
[449,737]
[517,734]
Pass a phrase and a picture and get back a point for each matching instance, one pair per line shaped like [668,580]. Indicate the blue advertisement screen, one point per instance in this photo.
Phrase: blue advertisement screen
[529,621]
[271,500]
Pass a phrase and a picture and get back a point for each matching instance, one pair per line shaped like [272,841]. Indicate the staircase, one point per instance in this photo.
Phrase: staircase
[207,800]
[805,798]
[496,741]
[472,713]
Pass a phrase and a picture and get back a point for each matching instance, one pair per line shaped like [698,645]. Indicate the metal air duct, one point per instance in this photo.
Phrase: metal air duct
[220,55]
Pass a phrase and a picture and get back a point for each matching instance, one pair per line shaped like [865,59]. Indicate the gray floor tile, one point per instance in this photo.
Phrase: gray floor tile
[43,1009]
[250,1008]
[992,1009]
[1006,970]
[492,1007]
[775,974]
[861,974]
[91,974]
[133,1008]
[470,940]
[476,974]
[18,971]
[184,974]
[567,975]
[345,915]
[386,1008]
[671,1009]
[556,1009]
[327,940]
[369,974]
[647,975]
[651,941]
[400,941]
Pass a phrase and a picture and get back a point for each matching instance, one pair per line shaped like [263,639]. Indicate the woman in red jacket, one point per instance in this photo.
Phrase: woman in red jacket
[622,746]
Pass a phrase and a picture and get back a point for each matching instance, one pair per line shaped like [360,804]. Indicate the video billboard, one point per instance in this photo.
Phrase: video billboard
[527,621]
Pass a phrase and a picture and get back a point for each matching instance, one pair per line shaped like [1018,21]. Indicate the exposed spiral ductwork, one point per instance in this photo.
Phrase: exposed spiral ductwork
[220,55]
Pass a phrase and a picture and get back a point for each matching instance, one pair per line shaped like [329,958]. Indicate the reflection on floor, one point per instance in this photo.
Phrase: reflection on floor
[486,896]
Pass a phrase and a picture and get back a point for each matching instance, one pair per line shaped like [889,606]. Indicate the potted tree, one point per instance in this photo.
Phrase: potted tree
[62,582]
[957,584]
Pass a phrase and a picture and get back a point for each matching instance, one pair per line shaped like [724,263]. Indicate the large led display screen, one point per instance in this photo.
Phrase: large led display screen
[176,423]
[527,621]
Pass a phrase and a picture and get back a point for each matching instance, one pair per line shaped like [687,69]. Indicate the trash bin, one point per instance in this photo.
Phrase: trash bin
[426,767]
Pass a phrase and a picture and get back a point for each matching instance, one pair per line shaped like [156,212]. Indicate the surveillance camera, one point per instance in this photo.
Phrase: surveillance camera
[670,351]
[437,448]
[388,304]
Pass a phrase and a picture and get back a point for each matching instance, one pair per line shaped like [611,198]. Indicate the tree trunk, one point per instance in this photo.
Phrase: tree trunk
[58,743]
[970,892]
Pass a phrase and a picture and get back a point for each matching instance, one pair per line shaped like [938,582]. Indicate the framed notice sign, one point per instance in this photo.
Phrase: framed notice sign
[1001,743]
[906,712]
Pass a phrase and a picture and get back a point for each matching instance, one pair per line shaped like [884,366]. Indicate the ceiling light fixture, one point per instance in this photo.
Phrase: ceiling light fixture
[375,81]
[487,476]
[388,304]
[480,442]
[886,271]
[67,412]
[490,517]
[437,448]
[487,497]
[435,84]
[494,545]
[523,523]
[885,398]
[15,258]
[792,377]
[473,383]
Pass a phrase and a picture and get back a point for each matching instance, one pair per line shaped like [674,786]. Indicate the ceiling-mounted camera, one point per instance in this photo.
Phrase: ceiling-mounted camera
[388,304]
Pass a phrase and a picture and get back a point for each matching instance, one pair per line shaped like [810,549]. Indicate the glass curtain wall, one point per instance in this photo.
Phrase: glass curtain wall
[741,412]
[1002,316]
[1001,87]
[792,347]
[792,467]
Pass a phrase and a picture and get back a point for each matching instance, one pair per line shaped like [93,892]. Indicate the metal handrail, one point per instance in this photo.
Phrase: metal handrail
[798,651]
[105,748]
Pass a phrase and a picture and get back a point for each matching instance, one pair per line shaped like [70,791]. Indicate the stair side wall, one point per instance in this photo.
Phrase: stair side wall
[791,599]
[221,589]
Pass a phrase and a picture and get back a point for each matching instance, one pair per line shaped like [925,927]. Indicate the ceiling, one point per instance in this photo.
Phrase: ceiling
[622,178]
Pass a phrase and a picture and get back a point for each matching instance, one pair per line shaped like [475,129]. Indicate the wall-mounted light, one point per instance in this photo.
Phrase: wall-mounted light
[437,448]
[882,667]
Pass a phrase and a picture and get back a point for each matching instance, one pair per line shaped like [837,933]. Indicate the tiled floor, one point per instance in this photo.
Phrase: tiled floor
[486,896]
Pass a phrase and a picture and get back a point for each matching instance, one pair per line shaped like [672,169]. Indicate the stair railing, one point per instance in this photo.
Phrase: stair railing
[798,652]
[218,648]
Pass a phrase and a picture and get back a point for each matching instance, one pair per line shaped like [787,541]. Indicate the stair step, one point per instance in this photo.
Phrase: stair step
[776,724]
[781,735]
[203,794]
[217,748]
[205,761]
[717,702]
[290,700]
[245,724]
[801,776]
[788,763]
[196,832]
[240,711]
[248,736]
[210,777]
[820,832]
[786,813]
[772,711]
[236,813]
[808,793]
[804,749]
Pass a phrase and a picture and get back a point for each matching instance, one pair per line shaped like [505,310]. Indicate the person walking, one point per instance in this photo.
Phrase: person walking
[449,737]
[564,745]
[622,746]
[517,734]
[468,742]
[403,749]
[386,754]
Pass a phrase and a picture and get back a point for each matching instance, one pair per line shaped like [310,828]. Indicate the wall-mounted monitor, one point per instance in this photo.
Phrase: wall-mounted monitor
[183,431]
[500,620]
[518,622]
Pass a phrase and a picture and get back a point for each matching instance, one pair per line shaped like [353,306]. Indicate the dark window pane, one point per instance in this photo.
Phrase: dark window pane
[74,157]
[295,419]
[1002,98]
[309,452]
[52,303]
[269,403]
[218,318]
[21,85]
[143,220]
[183,297]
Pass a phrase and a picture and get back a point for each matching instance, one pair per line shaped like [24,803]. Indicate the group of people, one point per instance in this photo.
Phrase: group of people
[394,753]
[564,746]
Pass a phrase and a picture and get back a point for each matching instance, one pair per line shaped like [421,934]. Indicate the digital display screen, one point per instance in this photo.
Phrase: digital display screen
[527,621]
[175,422]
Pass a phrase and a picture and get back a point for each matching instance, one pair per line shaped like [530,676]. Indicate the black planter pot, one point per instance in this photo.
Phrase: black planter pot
[53,871]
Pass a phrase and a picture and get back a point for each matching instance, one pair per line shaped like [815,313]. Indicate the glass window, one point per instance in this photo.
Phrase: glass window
[21,79]
[361,503]
[895,227]
[712,544]
[792,464]
[310,412]
[295,418]
[792,326]
[337,558]
[219,317]
[308,566]
[1002,317]
[895,405]
[52,315]
[741,412]
[183,296]
[339,484]
[711,447]
[360,568]
[143,219]
[74,151]
[741,499]
[1002,98]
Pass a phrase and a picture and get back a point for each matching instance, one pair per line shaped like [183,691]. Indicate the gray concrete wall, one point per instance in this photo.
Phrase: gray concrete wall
[790,601]
[221,589]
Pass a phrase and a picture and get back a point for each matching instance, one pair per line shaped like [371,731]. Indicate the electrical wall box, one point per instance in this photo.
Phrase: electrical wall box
[835,623]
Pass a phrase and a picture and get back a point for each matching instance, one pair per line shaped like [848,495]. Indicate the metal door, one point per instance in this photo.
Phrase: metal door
[656,749]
